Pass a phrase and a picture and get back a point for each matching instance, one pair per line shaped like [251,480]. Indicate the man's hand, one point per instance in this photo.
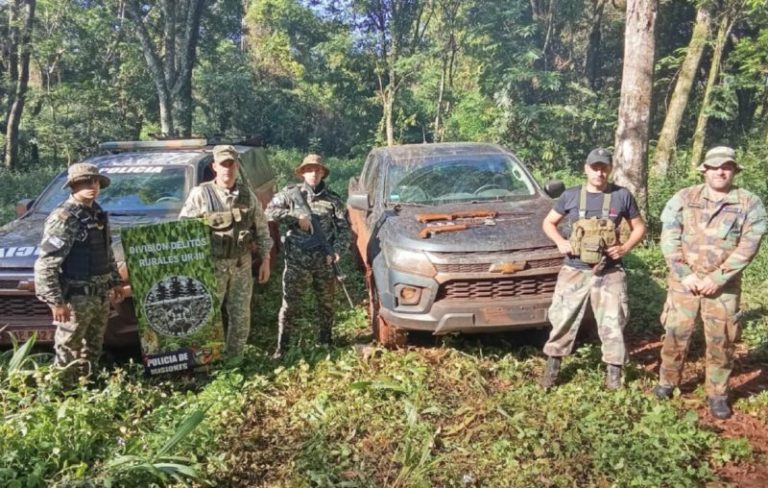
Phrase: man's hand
[115,295]
[60,313]
[707,287]
[616,252]
[692,283]
[264,270]
[305,224]
[332,259]
[564,247]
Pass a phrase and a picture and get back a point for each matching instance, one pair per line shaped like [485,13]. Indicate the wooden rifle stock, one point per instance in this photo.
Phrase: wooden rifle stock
[439,229]
[471,214]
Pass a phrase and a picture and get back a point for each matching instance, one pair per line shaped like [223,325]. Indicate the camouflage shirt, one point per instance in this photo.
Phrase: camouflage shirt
[62,227]
[327,205]
[709,237]
[198,205]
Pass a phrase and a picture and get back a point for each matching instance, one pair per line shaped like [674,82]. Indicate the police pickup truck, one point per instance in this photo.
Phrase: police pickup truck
[150,182]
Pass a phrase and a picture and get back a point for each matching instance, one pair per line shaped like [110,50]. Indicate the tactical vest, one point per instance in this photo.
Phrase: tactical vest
[591,237]
[231,228]
[89,255]
[709,238]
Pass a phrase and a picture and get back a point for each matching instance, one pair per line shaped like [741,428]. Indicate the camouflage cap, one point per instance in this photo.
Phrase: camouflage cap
[600,155]
[81,171]
[225,153]
[312,160]
[718,156]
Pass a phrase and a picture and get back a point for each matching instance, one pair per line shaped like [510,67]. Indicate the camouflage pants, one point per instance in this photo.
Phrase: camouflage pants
[235,289]
[82,337]
[718,313]
[575,290]
[301,274]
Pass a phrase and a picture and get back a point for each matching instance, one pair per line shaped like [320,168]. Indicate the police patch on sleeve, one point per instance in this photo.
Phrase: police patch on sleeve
[52,244]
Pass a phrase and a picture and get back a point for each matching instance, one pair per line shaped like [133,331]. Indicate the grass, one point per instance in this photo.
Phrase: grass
[465,412]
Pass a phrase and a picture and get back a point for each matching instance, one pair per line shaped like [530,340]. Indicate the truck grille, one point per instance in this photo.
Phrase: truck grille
[9,284]
[498,288]
[484,267]
[22,307]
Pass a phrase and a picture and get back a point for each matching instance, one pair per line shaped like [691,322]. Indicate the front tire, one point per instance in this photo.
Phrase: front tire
[384,333]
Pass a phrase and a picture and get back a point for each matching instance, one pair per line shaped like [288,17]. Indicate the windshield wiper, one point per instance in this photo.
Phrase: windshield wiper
[126,214]
[408,204]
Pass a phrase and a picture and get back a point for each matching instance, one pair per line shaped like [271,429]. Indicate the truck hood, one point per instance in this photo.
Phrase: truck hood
[516,226]
[20,239]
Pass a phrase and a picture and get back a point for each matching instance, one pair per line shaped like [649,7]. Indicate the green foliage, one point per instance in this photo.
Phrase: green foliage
[121,431]
[18,185]
[158,466]
[285,161]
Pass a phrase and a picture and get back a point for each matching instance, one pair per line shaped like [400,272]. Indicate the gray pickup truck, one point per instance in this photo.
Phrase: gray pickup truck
[449,236]
[150,182]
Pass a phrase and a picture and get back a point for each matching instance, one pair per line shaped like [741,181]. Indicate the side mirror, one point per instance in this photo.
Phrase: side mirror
[22,206]
[554,188]
[359,201]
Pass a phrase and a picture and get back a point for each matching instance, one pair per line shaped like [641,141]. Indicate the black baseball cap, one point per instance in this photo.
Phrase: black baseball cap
[600,155]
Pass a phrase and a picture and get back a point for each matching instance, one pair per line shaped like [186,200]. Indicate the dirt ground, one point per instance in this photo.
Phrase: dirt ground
[748,378]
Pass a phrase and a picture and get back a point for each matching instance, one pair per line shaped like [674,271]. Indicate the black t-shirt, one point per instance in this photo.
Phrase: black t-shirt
[623,205]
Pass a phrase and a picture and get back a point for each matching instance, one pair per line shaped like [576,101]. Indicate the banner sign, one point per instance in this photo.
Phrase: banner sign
[174,294]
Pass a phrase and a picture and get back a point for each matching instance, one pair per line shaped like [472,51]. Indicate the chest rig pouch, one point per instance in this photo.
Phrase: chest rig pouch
[591,237]
[231,228]
[89,255]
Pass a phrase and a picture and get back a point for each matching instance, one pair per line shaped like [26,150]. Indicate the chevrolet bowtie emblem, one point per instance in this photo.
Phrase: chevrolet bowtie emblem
[507,268]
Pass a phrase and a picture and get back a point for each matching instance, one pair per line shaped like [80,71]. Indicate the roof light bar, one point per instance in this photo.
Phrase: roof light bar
[169,144]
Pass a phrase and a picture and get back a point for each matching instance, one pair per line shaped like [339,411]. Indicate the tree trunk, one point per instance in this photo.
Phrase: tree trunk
[389,104]
[390,91]
[183,110]
[699,135]
[13,48]
[182,88]
[679,100]
[592,61]
[171,72]
[438,137]
[635,104]
[20,93]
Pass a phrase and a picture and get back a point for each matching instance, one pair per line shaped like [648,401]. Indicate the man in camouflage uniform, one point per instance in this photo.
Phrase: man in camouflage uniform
[238,227]
[76,273]
[603,283]
[295,206]
[710,234]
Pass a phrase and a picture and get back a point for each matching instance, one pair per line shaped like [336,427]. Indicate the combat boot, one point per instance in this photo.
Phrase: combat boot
[613,377]
[663,392]
[718,407]
[549,378]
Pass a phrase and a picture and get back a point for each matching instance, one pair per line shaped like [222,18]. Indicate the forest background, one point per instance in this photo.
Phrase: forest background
[545,78]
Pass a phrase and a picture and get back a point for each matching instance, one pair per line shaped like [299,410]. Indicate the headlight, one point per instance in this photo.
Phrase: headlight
[414,262]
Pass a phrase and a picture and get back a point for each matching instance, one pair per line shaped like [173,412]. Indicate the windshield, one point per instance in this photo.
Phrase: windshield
[468,178]
[133,190]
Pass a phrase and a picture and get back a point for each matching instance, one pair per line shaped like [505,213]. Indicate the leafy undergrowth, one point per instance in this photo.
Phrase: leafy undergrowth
[452,417]
[465,413]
